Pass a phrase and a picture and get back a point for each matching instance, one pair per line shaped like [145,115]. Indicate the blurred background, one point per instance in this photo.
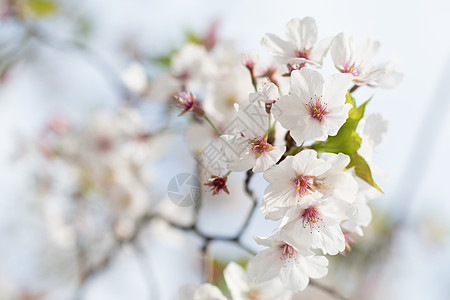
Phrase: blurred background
[79,78]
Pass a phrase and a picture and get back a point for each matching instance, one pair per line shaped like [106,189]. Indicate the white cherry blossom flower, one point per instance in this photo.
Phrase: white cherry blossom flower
[292,265]
[248,148]
[242,287]
[291,181]
[315,108]
[315,223]
[357,61]
[301,47]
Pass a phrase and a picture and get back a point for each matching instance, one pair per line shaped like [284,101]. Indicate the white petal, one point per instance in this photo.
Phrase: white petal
[306,163]
[288,110]
[335,89]
[320,50]
[236,279]
[342,51]
[315,266]
[366,52]
[265,265]
[302,33]
[335,118]
[278,48]
[293,276]
[306,84]
[268,159]
[282,172]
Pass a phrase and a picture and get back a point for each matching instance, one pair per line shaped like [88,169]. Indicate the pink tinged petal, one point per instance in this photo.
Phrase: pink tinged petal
[266,265]
[335,89]
[306,84]
[268,159]
[320,50]
[236,279]
[315,266]
[293,276]
[278,48]
[342,51]
[302,33]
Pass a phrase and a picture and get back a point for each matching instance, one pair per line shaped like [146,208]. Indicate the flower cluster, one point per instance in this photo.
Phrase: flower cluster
[308,142]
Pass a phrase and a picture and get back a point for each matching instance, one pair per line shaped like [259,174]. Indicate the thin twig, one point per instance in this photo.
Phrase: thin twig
[331,291]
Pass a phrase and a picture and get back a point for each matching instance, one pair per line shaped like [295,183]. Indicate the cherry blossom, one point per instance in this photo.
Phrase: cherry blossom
[301,47]
[357,61]
[248,147]
[315,108]
[291,182]
[293,266]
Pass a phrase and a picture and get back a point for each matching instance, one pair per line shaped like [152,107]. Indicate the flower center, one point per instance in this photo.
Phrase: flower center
[186,100]
[303,184]
[351,69]
[303,53]
[317,109]
[260,145]
[288,251]
[218,184]
[311,218]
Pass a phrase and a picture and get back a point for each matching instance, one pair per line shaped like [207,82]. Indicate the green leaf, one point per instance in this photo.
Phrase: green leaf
[346,140]
[163,60]
[191,37]
[41,8]
[362,170]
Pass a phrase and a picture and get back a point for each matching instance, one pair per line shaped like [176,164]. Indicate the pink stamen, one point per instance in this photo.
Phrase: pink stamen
[351,69]
[218,184]
[288,251]
[186,100]
[260,145]
[302,53]
[311,218]
[317,109]
[303,184]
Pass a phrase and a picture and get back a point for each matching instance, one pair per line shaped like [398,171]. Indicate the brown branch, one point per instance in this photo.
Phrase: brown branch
[331,291]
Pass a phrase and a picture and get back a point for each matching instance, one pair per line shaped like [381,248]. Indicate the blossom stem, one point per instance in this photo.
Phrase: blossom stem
[354,88]
[212,124]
